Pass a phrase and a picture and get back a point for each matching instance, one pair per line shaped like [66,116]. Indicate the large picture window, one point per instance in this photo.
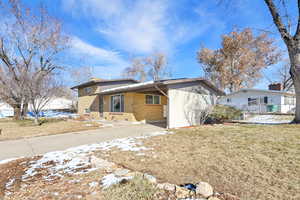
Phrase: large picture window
[152,99]
[117,103]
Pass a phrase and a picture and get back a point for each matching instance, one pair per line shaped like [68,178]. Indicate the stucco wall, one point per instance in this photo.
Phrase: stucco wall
[186,101]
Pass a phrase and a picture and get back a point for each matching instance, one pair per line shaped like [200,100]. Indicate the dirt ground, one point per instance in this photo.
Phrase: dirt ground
[249,161]
[11,129]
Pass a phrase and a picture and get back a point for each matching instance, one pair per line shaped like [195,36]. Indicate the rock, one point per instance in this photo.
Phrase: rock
[182,193]
[204,189]
[133,174]
[150,178]
[213,198]
[121,172]
[166,186]
[100,163]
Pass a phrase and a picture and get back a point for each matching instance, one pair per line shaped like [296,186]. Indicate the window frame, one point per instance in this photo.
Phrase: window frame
[153,101]
[122,103]
[253,101]
[88,90]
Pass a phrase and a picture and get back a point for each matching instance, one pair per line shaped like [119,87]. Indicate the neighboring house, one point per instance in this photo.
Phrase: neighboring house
[56,104]
[6,110]
[178,102]
[261,101]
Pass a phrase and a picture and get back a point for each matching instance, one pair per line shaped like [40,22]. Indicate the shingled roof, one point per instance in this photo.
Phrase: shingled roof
[96,81]
[161,83]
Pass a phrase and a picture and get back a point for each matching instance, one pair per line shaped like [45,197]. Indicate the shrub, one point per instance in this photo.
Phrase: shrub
[222,113]
[136,189]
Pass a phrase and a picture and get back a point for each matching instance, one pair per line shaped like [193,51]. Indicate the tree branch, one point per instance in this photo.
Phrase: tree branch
[297,34]
[278,21]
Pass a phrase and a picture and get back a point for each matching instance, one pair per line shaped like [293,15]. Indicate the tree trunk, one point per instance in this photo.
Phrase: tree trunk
[36,120]
[294,55]
[17,112]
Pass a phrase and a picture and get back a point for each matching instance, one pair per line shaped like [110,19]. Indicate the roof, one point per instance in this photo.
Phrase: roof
[95,81]
[263,91]
[152,84]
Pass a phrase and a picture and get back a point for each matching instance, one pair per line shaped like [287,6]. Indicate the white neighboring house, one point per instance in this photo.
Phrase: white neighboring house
[261,101]
[56,104]
[6,110]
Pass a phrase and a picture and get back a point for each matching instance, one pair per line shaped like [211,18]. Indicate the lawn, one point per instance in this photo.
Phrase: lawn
[11,129]
[249,161]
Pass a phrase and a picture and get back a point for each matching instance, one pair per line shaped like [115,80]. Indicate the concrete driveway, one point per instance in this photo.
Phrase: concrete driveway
[39,145]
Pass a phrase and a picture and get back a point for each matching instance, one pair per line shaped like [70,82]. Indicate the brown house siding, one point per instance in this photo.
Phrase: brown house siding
[135,108]
[88,102]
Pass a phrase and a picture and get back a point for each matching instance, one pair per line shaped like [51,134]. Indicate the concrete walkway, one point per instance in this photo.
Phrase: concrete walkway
[39,145]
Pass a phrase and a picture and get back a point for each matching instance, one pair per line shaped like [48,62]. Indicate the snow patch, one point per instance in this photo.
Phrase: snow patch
[268,119]
[112,179]
[77,160]
[8,160]
[128,86]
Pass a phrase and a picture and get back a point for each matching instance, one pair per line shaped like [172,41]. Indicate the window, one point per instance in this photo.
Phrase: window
[117,103]
[87,110]
[152,99]
[289,100]
[88,90]
[252,101]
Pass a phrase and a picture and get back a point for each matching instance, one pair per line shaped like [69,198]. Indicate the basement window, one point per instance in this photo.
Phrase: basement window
[117,103]
[152,99]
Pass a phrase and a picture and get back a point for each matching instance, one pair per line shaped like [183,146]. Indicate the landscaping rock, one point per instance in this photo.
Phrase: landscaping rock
[166,186]
[213,198]
[182,193]
[150,178]
[100,163]
[121,172]
[204,189]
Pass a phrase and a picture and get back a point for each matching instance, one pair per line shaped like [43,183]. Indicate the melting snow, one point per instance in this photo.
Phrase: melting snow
[268,119]
[8,160]
[112,179]
[128,86]
[77,160]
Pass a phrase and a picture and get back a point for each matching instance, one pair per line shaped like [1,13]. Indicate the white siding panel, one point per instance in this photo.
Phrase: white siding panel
[185,106]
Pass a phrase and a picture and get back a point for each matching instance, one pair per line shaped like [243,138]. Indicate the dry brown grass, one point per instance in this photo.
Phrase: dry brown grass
[249,161]
[11,129]
[136,189]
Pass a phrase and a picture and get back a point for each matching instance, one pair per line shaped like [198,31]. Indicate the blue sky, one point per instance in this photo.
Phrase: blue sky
[106,34]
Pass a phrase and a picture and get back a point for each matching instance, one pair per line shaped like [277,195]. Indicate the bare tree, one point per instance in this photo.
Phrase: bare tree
[238,63]
[81,74]
[30,43]
[285,76]
[153,67]
[41,90]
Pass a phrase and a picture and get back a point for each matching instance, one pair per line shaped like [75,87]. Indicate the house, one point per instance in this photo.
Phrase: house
[178,102]
[273,100]
[88,100]
[59,104]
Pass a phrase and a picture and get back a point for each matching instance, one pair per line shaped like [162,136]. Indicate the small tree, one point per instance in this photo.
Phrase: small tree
[41,89]
[238,63]
[30,43]
[148,68]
